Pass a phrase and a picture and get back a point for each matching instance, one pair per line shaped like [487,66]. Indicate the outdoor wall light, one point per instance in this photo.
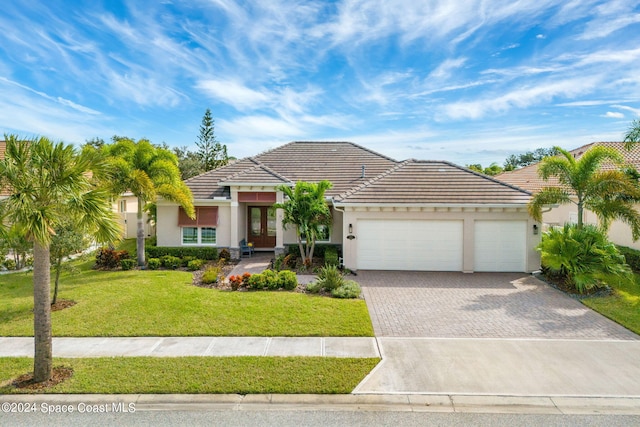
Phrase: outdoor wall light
[350,228]
[535,228]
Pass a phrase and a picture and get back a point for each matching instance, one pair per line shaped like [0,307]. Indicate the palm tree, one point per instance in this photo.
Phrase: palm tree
[610,194]
[147,171]
[49,183]
[305,208]
[632,136]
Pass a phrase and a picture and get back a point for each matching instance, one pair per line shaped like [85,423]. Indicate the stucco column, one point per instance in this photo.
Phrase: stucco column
[468,245]
[279,249]
[234,248]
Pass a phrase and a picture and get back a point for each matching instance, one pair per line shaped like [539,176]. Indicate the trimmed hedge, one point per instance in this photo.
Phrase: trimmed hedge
[331,256]
[197,252]
[319,250]
[632,256]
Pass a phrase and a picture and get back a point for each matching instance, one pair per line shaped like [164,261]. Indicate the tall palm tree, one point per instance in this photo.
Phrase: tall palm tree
[610,194]
[147,171]
[307,210]
[49,183]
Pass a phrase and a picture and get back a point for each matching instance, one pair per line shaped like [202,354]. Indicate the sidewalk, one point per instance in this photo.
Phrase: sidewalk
[197,346]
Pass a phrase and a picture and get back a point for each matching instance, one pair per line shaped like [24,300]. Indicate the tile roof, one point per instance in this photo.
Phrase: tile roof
[359,175]
[424,181]
[528,178]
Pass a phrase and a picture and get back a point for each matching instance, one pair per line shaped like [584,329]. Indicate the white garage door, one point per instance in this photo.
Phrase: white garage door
[409,245]
[500,246]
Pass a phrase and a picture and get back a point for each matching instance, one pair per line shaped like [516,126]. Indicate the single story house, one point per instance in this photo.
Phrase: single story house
[527,178]
[386,214]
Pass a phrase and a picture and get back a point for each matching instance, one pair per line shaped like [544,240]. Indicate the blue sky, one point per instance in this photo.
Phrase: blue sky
[467,81]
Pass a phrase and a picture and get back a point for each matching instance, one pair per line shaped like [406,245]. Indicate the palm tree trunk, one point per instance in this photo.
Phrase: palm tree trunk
[140,234]
[580,213]
[42,361]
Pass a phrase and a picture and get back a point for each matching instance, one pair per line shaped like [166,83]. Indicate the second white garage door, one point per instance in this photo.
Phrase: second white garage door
[500,246]
[409,245]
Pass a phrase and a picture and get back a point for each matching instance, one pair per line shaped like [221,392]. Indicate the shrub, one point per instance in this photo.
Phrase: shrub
[290,261]
[313,287]
[278,263]
[128,264]
[584,257]
[632,256]
[235,282]
[170,261]
[200,252]
[245,279]
[257,282]
[211,274]
[287,280]
[186,260]
[195,264]
[330,277]
[349,289]
[154,263]
[224,254]
[10,264]
[110,258]
[271,279]
[331,256]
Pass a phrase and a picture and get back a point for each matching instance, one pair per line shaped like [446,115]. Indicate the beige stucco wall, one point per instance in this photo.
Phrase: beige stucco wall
[169,234]
[467,215]
[619,232]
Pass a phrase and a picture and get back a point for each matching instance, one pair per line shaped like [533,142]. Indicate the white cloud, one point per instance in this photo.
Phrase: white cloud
[613,115]
[234,93]
[520,98]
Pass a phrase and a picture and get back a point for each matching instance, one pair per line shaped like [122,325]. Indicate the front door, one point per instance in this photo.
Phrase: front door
[262,226]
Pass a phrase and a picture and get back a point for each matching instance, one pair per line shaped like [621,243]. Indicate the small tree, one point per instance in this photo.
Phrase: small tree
[212,154]
[306,209]
[68,240]
[189,162]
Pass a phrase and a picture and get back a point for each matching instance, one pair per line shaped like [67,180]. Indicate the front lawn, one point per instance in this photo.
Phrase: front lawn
[623,306]
[164,303]
[242,375]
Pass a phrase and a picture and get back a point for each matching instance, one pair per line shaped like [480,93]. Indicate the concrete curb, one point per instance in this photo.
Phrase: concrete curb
[349,402]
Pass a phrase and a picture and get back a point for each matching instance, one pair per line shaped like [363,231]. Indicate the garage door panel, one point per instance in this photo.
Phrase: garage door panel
[500,246]
[410,245]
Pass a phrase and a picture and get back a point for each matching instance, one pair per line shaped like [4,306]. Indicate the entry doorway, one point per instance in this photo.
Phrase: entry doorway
[262,226]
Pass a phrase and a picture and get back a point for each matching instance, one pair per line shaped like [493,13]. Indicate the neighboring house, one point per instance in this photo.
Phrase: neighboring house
[127,208]
[527,178]
[386,215]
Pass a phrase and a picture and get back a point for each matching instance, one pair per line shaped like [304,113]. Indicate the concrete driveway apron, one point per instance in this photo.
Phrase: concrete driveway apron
[493,333]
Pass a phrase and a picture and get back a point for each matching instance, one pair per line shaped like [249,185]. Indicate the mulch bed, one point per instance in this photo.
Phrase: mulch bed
[561,284]
[61,304]
[59,374]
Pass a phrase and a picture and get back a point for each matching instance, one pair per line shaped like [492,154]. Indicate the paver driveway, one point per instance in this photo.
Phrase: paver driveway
[478,305]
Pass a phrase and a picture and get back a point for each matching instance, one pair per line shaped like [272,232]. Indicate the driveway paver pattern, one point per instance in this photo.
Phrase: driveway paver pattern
[478,305]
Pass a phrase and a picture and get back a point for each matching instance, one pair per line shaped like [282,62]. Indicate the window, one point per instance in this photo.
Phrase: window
[208,235]
[123,205]
[198,236]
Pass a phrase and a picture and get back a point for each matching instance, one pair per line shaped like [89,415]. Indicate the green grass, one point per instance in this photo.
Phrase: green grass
[164,303]
[242,375]
[623,306]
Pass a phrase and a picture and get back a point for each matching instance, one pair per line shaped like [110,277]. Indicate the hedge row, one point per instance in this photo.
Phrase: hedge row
[207,253]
